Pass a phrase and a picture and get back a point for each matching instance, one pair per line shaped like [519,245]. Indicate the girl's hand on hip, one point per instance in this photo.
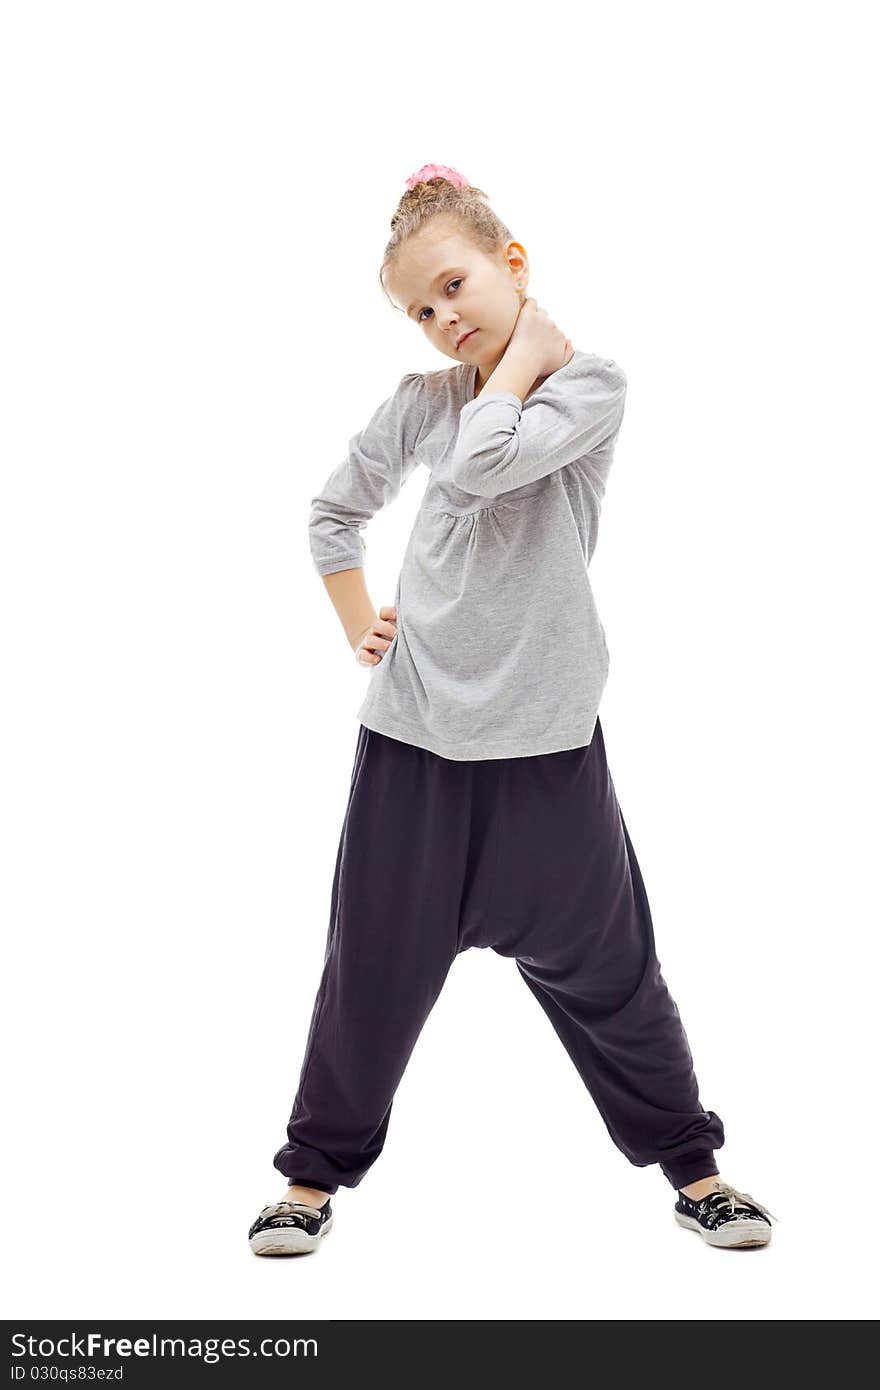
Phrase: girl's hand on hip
[371,645]
[536,335]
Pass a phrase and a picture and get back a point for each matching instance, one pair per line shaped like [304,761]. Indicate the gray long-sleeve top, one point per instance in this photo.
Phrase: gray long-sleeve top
[499,651]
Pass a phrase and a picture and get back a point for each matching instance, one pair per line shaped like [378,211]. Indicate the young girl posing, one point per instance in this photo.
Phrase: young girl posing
[480,754]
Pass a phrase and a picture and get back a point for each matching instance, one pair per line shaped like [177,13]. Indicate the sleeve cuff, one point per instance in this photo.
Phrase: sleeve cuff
[487,398]
[334,566]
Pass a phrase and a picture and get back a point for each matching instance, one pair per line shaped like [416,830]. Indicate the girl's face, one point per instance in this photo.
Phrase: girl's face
[450,288]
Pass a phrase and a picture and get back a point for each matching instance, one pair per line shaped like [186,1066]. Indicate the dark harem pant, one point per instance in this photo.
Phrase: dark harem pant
[527,855]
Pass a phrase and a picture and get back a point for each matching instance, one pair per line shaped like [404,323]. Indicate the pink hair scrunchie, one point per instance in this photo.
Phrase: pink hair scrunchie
[437,171]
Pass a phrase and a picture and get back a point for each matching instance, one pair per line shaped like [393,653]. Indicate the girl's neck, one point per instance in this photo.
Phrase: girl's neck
[478,385]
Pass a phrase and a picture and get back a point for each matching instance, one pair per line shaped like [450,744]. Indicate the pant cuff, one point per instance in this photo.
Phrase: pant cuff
[690,1167]
[318,1183]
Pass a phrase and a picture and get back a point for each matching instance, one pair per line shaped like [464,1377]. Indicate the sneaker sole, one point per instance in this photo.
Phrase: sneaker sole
[287,1240]
[732,1235]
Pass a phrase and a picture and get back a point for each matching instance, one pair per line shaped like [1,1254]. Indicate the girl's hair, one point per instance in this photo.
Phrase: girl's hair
[437,191]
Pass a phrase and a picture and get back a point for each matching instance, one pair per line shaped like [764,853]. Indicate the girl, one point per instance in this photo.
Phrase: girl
[480,755]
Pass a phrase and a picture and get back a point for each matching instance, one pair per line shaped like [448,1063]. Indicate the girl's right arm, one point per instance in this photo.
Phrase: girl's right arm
[369,635]
[380,459]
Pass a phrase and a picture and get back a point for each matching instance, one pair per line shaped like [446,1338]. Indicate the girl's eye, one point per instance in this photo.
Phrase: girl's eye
[456,281]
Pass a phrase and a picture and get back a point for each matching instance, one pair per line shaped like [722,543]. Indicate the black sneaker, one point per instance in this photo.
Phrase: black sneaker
[725,1217]
[289,1228]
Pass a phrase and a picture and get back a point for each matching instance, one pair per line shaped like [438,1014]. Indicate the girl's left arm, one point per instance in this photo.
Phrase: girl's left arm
[503,444]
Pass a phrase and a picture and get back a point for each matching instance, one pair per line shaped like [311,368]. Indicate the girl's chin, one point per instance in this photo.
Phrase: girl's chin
[478,348]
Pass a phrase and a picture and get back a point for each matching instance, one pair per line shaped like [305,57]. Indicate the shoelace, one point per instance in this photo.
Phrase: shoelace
[283,1207]
[733,1196]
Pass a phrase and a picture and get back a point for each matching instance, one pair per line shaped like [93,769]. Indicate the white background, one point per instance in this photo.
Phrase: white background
[197,197]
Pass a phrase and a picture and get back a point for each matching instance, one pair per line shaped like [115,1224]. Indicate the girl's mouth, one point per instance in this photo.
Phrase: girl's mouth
[467,336]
